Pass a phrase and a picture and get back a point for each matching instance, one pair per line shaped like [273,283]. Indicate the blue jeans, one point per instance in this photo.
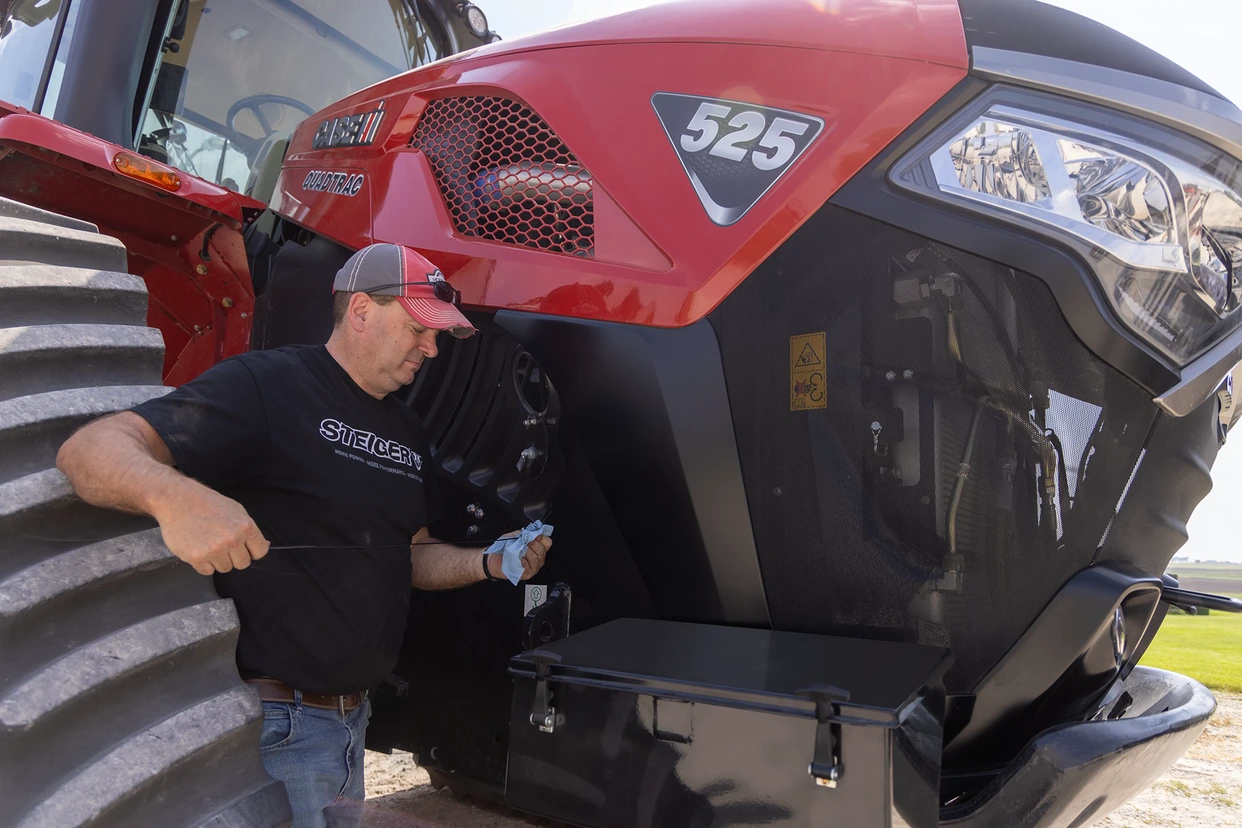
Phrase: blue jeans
[318,755]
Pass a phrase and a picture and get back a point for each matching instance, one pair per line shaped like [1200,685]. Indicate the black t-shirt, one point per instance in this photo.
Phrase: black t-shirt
[316,461]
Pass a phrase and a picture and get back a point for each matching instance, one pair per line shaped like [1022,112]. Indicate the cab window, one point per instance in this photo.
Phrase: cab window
[238,76]
[28,30]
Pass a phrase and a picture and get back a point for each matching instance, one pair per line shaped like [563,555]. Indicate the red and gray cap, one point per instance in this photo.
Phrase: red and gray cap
[395,270]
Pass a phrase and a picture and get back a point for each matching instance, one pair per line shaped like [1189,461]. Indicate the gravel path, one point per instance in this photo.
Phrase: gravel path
[1203,790]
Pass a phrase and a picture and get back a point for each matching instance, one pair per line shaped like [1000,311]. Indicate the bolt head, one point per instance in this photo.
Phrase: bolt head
[201,270]
[227,302]
[907,374]
[890,376]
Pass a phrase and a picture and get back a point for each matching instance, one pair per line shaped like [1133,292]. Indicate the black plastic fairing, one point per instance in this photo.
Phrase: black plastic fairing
[1061,667]
[1042,29]
[1074,774]
[1173,476]
[650,411]
[960,459]
[913,173]
[872,193]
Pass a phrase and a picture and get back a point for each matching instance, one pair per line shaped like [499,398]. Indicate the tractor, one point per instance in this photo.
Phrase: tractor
[869,359]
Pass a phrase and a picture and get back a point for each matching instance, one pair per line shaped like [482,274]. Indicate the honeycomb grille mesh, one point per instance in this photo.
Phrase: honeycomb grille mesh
[505,175]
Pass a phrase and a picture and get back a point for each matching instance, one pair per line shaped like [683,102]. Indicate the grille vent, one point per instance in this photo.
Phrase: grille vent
[505,175]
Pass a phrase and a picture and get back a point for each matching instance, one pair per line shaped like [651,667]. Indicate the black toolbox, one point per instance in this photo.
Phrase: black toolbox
[661,723]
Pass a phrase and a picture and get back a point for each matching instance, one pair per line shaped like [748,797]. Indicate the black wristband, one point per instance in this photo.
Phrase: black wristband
[488,572]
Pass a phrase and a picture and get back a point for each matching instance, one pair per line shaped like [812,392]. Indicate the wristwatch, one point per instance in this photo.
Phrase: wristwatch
[488,572]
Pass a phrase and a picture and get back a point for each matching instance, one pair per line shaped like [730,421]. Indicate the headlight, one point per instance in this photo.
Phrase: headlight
[1156,214]
[475,19]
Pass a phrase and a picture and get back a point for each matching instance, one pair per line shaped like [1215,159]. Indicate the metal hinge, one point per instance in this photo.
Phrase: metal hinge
[543,713]
[825,767]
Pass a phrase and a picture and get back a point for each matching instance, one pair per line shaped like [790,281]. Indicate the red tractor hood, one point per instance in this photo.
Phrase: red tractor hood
[650,252]
[927,30]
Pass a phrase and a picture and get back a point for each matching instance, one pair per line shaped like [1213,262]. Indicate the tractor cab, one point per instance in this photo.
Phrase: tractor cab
[215,88]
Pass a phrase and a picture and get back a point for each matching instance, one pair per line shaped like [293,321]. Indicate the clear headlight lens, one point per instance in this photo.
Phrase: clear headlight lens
[1163,232]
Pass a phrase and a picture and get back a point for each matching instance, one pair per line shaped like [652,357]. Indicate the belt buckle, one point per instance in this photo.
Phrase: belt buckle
[340,705]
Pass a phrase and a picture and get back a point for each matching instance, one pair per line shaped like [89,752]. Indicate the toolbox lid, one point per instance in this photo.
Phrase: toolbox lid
[739,667]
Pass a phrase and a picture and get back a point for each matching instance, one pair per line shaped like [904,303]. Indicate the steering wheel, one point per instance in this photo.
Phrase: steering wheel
[253,102]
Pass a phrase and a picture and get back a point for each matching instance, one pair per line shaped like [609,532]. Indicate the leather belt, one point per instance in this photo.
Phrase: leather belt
[278,691]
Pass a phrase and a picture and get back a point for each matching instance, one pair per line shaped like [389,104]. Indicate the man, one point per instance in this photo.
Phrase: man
[304,447]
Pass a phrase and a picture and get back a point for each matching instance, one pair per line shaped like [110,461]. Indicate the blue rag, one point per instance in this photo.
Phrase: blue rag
[513,548]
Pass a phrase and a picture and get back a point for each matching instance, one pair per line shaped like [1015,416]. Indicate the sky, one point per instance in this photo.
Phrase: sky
[1201,35]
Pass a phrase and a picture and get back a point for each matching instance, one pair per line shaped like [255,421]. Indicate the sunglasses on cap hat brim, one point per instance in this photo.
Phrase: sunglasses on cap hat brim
[439,290]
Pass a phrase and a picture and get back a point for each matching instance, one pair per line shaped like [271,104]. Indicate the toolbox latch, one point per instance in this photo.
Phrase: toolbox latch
[543,713]
[825,767]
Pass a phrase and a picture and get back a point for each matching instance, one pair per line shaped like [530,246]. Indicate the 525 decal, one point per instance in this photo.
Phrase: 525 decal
[732,152]
[775,149]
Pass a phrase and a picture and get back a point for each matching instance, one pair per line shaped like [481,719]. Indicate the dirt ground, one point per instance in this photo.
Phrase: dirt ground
[1203,790]
[399,795]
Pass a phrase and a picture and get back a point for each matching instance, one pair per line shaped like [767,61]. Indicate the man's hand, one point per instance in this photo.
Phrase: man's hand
[532,558]
[207,530]
[438,565]
[120,462]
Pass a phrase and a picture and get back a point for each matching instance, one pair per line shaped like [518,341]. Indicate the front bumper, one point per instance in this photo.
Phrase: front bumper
[1074,774]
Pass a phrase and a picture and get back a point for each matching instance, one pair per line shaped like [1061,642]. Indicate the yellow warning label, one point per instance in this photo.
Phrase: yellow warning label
[807,388]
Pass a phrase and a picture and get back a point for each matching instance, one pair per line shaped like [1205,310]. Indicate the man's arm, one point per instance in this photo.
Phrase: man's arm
[439,565]
[120,462]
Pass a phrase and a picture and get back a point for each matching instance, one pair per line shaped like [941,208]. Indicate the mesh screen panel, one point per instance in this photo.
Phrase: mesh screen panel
[505,176]
[969,455]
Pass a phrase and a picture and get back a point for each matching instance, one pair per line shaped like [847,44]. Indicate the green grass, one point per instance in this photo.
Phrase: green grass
[1222,572]
[1204,647]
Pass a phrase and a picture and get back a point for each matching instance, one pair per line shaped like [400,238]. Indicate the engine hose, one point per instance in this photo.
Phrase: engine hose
[963,472]
[1047,462]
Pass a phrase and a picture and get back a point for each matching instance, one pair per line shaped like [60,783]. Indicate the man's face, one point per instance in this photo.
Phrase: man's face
[394,345]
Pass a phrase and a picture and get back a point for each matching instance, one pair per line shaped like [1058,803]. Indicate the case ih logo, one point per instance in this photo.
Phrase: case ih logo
[733,152]
[336,183]
[349,130]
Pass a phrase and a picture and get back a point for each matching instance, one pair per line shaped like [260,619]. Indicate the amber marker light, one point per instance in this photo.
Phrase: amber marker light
[144,169]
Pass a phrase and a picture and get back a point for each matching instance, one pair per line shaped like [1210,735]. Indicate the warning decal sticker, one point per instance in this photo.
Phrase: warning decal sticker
[806,372]
[536,594]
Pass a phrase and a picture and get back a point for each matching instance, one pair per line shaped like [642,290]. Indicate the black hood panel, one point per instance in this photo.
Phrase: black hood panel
[1040,29]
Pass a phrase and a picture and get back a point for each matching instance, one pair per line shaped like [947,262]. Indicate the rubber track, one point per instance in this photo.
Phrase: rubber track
[120,704]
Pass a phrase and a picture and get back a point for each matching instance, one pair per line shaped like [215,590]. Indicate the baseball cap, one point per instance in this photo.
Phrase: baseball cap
[386,269]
